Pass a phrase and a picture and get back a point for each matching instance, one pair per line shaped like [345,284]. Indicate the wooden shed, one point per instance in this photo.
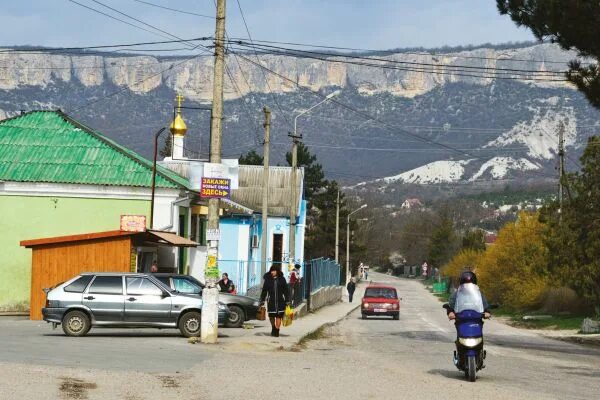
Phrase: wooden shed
[58,259]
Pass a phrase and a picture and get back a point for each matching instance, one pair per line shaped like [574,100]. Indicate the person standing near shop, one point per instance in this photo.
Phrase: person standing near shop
[275,292]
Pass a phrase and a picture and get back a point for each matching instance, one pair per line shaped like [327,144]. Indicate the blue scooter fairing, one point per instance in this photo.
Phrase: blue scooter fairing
[469,324]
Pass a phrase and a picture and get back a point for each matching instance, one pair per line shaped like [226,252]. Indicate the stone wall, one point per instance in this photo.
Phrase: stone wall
[325,296]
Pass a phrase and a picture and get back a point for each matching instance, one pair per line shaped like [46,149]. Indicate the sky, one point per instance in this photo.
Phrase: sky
[369,24]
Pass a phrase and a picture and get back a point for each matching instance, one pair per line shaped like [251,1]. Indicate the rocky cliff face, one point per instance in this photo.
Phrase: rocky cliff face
[142,74]
[503,129]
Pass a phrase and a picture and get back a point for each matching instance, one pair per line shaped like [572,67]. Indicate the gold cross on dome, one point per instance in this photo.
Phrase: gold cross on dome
[179,100]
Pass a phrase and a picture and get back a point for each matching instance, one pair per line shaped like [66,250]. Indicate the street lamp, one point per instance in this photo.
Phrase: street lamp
[294,202]
[156,135]
[348,274]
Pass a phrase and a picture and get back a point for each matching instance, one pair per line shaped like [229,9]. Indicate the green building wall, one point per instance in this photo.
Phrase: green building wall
[23,218]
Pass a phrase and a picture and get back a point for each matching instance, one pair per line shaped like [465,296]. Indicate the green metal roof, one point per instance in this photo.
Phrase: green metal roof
[49,146]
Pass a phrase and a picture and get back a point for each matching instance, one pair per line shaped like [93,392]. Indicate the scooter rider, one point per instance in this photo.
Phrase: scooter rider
[467,277]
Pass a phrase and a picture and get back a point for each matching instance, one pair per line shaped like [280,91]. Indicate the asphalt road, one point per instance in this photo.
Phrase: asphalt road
[354,359]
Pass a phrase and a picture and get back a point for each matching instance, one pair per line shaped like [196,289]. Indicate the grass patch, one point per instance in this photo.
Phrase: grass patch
[443,297]
[321,333]
[555,322]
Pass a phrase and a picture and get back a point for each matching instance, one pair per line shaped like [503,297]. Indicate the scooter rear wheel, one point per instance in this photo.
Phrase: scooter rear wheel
[471,371]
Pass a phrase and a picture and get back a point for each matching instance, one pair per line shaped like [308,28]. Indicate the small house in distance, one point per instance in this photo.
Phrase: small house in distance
[412,204]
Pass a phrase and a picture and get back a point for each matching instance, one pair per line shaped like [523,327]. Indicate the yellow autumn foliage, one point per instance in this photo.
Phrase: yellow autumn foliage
[466,259]
[513,270]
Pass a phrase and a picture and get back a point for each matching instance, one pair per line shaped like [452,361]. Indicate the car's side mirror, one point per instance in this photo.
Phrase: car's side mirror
[165,294]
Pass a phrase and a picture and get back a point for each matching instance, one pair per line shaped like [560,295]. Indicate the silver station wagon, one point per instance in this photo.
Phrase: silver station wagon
[123,301]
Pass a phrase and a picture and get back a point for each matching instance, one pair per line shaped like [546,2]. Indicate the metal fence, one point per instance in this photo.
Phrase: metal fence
[324,272]
[314,275]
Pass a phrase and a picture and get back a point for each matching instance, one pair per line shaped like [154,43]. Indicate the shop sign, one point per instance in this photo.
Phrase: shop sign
[133,223]
[215,188]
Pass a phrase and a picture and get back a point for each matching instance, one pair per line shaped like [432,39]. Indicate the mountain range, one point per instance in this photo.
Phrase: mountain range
[410,125]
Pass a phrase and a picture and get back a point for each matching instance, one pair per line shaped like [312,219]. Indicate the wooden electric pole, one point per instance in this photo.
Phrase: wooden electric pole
[265,199]
[561,166]
[210,294]
[337,228]
[293,199]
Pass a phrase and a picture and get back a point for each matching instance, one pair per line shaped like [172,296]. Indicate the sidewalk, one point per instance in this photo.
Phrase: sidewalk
[258,338]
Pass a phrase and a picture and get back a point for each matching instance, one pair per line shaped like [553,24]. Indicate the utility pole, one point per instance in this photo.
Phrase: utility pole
[265,199]
[210,295]
[293,201]
[337,228]
[561,164]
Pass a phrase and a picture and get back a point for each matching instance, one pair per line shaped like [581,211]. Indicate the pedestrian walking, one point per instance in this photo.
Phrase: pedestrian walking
[351,287]
[294,283]
[275,292]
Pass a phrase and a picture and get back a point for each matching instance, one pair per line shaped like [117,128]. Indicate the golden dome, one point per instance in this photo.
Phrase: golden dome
[178,126]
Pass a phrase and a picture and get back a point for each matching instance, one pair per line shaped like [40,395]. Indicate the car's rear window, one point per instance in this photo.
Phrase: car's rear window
[79,285]
[387,293]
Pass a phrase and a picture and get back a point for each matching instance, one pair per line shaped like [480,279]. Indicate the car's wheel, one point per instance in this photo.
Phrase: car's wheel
[396,316]
[364,316]
[237,316]
[189,324]
[76,323]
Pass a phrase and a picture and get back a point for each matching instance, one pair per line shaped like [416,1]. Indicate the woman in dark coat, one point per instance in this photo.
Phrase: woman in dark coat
[276,292]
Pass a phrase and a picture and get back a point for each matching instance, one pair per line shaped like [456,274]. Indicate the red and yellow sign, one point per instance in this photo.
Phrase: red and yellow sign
[215,188]
[133,223]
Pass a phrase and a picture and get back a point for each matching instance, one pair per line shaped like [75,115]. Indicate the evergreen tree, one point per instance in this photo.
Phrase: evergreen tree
[251,158]
[314,177]
[573,24]
[574,234]
[443,242]
[167,149]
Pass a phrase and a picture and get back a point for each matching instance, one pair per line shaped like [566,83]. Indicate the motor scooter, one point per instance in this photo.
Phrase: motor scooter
[469,355]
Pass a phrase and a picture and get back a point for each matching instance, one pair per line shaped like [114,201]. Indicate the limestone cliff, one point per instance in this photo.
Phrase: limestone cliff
[193,77]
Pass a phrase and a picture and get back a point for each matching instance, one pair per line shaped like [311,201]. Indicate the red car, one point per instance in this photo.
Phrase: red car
[380,300]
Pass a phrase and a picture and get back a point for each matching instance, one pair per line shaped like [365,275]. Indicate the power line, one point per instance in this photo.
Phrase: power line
[463,67]
[424,69]
[263,72]
[400,51]
[135,84]
[361,113]
[45,50]
[113,17]
[174,10]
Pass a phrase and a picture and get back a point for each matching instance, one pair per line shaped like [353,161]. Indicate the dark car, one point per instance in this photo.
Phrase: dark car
[380,300]
[241,308]
[122,300]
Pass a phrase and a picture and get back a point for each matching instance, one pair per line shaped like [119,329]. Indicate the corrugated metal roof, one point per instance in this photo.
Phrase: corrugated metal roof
[249,192]
[49,146]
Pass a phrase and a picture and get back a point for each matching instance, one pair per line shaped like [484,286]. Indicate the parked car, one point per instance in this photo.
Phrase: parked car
[380,300]
[241,308]
[122,300]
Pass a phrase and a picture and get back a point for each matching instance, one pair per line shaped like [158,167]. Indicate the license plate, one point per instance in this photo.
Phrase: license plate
[380,310]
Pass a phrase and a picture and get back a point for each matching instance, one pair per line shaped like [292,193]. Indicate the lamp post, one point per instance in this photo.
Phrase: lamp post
[348,275]
[156,135]
[294,202]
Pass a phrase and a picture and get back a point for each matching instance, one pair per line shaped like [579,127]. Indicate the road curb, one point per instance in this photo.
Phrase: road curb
[321,326]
